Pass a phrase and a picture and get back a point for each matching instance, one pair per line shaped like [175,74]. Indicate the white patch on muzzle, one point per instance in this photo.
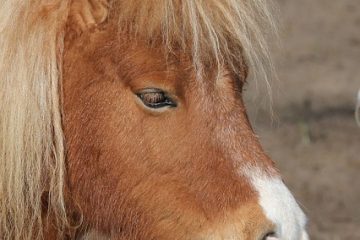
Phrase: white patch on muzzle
[279,206]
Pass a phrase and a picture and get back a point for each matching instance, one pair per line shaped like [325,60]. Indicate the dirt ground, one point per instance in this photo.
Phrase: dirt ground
[313,137]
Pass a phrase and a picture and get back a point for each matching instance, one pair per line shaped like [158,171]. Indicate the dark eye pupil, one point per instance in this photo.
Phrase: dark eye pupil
[155,98]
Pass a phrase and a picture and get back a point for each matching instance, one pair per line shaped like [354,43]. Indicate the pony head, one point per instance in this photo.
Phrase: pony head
[125,120]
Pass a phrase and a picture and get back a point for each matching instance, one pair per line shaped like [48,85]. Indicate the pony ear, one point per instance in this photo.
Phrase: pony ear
[87,14]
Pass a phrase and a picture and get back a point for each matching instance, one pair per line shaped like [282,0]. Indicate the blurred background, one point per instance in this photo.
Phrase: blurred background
[313,137]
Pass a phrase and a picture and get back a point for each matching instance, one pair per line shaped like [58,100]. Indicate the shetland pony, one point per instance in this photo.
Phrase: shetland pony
[124,120]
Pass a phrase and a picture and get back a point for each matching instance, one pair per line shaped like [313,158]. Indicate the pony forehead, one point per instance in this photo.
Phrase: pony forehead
[211,32]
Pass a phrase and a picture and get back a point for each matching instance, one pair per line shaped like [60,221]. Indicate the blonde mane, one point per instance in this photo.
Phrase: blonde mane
[32,154]
[31,138]
[213,32]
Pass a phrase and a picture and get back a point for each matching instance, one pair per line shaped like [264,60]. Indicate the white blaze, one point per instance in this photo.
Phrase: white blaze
[279,206]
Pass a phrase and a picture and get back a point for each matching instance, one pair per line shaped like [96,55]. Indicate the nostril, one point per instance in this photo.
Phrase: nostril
[270,236]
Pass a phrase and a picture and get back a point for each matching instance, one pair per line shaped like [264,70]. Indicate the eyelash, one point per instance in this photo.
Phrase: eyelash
[155,98]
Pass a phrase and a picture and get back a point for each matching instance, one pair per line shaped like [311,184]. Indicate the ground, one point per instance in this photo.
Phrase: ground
[313,137]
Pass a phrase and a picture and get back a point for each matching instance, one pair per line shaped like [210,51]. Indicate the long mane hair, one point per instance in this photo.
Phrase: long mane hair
[32,152]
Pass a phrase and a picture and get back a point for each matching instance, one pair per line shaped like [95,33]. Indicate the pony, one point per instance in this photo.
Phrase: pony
[124,119]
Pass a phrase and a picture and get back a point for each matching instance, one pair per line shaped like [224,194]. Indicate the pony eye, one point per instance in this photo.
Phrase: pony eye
[155,98]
